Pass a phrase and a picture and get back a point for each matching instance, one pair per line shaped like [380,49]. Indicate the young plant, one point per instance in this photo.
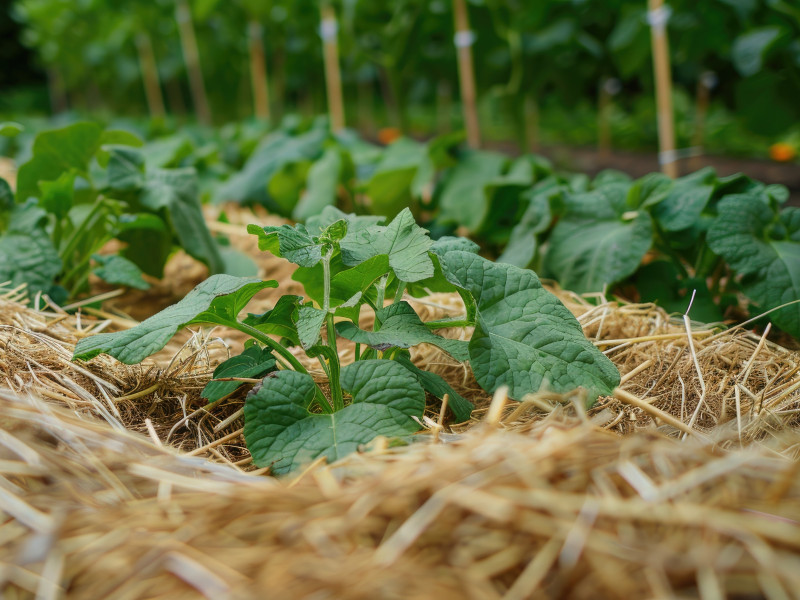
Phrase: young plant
[524,338]
[84,186]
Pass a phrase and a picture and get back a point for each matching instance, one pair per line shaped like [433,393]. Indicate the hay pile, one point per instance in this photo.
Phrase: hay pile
[559,511]
[118,482]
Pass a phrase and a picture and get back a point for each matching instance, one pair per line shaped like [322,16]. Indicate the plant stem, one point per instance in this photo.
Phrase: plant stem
[401,287]
[268,341]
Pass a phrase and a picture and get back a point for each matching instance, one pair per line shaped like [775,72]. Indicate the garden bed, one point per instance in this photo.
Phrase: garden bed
[119,483]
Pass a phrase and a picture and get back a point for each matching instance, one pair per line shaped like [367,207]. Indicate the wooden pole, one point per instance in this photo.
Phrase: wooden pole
[658,17]
[258,70]
[192,57]
[149,68]
[464,39]
[705,84]
[333,76]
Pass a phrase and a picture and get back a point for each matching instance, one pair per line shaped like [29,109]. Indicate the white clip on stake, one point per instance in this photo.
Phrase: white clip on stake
[328,29]
[670,156]
[464,39]
[658,18]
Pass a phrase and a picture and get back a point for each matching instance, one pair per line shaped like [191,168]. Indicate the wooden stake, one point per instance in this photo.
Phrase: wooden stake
[149,68]
[192,57]
[258,70]
[333,76]
[661,65]
[705,83]
[466,72]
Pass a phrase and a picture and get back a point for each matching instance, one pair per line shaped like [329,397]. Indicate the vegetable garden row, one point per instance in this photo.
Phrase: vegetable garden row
[556,59]
[715,247]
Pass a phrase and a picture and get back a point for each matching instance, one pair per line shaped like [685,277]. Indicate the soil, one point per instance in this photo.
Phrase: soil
[637,164]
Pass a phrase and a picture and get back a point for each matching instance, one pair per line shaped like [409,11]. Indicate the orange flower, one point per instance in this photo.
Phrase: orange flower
[388,134]
[782,152]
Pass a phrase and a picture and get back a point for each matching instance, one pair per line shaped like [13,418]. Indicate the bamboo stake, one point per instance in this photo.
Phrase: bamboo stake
[258,70]
[705,84]
[149,68]
[464,39]
[658,17]
[191,55]
[333,77]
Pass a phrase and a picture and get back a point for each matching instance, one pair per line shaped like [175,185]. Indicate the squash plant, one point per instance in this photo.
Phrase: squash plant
[524,338]
[84,186]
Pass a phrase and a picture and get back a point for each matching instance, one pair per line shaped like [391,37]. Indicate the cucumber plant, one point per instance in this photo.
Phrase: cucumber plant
[524,338]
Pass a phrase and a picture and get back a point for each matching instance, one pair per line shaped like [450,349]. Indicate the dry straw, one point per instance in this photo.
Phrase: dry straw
[118,482]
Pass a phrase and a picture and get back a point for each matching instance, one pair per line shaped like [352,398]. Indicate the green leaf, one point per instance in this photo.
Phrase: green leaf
[330,214]
[249,184]
[594,245]
[57,196]
[750,49]
[55,152]
[282,434]
[6,196]
[286,185]
[29,257]
[309,321]
[218,300]
[323,185]
[10,129]
[524,337]
[118,270]
[125,168]
[682,207]
[254,362]
[389,189]
[765,250]
[401,327]
[463,199]
[292,243]
[436,385]
[537,218]
[176,191]
[237,263]
[403,241]
[278,321]
[448,243]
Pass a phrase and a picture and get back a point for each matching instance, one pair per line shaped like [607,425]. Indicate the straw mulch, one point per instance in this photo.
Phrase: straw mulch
[561,511]
[118,482]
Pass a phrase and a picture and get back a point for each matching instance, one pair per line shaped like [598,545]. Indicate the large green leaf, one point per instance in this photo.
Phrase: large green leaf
[524,337]
[176,191]
[55,152]
[290,242]
[401,327]
[118,270]
[403,241]
[279,320]
[438,386]
[765,250]
[30,258]
[282,434]
[322,187]
[217,300]
[463,198]
[750,49]
[250,184]
[389,189]
[595,244]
